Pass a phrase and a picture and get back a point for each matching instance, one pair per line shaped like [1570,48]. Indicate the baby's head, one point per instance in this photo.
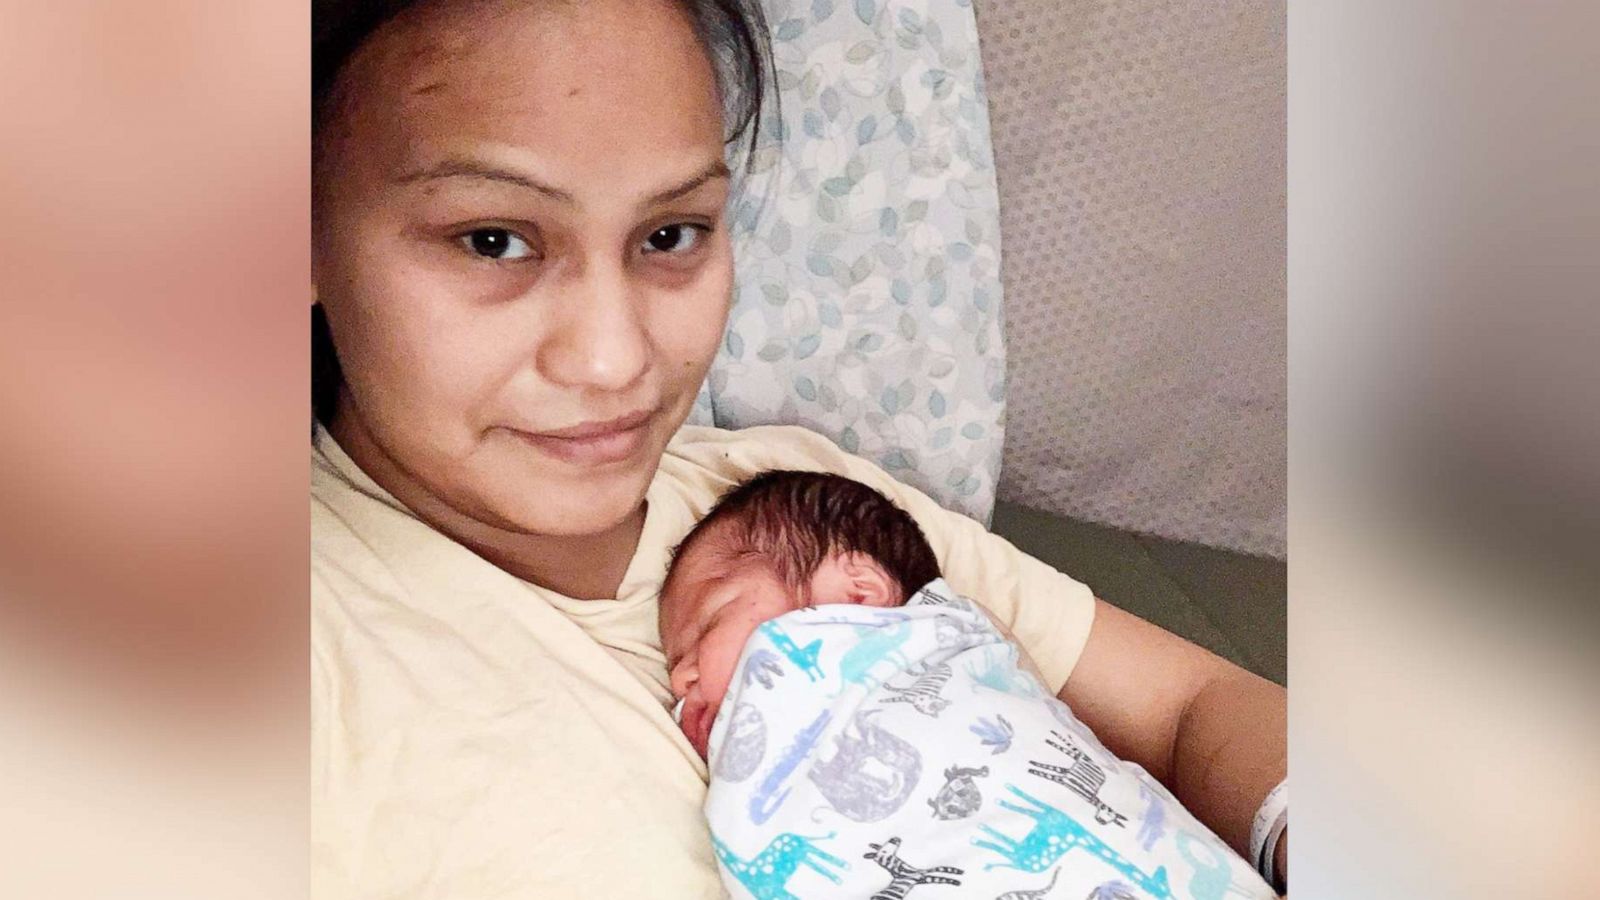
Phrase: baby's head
[779,542]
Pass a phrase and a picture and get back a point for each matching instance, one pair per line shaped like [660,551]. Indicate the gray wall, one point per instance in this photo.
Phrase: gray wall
[1140,152]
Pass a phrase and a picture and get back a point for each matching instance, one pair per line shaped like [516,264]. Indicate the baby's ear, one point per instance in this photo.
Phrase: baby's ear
[870,584]
[852,578]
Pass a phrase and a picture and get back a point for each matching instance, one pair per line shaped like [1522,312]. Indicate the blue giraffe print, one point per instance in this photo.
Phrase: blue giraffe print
[766,875]
[766,799]
[805,659]
[1053,834]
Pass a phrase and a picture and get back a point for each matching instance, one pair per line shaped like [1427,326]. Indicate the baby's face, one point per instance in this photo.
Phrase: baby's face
[708,613]
[710,608]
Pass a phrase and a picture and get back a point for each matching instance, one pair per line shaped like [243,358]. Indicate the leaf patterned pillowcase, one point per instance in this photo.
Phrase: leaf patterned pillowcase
[867,297]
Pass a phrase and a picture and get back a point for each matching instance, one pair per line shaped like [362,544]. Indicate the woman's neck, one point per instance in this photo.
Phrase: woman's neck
[586,567]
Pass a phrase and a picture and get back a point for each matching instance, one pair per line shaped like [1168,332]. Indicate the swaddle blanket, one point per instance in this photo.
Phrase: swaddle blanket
[866,752]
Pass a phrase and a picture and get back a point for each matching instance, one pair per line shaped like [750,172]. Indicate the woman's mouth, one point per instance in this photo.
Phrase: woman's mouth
[593,443]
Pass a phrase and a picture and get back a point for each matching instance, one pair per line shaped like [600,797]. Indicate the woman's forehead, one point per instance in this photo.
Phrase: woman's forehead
[623,89]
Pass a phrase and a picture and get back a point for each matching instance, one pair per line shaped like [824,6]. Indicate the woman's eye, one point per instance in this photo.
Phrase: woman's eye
[674,239]
[496,243]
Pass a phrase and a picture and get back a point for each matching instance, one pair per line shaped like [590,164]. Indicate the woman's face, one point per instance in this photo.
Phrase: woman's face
[521,252]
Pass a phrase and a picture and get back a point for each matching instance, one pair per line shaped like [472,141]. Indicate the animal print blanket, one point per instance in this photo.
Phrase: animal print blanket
[886,753]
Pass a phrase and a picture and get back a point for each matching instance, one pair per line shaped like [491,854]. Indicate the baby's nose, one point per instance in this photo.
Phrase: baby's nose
[682,677]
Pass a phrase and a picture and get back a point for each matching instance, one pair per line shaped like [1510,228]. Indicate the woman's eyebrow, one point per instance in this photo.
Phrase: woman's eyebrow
[462,167]
[459,167]
[717,169]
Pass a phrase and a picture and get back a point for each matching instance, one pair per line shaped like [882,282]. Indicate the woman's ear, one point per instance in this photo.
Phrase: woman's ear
[855,578]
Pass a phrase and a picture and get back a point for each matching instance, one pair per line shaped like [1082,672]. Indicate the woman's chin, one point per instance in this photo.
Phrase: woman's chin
[577,508]
[578,517]
[557,501]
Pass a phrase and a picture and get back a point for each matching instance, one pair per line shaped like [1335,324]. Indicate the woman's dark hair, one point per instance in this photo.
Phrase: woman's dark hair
[793,521]
[734,33]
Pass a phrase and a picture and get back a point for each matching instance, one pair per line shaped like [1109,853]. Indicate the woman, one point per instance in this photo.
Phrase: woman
[522,259]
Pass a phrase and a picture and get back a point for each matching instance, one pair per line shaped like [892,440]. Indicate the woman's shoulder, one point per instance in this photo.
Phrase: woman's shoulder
[353,520]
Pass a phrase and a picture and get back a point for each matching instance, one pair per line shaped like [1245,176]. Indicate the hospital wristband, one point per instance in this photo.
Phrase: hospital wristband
[1271,821]
[1269,856]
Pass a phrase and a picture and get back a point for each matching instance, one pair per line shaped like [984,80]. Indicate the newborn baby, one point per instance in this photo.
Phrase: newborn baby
[869,732]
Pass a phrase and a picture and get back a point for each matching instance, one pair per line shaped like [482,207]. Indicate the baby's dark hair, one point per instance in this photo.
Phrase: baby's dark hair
[794,521]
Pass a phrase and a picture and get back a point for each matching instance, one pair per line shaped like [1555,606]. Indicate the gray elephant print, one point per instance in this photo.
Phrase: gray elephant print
[851,780]
[744,746]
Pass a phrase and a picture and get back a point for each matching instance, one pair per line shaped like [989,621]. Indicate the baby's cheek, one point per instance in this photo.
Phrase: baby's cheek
[719,652]
[716,670]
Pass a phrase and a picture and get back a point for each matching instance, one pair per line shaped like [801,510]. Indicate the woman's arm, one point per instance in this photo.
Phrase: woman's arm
[1213,733]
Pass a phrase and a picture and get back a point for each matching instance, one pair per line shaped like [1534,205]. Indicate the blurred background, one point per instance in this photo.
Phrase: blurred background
[1442,246]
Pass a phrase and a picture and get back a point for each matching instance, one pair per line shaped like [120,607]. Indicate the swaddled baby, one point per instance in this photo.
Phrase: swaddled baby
[871,733]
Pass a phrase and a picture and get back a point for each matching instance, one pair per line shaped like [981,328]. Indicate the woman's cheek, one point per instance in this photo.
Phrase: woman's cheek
[428,358]
[690,321]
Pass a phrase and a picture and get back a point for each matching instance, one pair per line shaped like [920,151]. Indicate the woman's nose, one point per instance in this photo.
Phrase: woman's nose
[599,340]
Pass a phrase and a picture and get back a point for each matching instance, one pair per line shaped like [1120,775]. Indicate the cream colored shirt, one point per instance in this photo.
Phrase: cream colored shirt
[476,736]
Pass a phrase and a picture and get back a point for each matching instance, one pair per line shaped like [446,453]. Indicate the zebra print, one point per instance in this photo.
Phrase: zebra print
[904,876]
[923,694]
[1083,778]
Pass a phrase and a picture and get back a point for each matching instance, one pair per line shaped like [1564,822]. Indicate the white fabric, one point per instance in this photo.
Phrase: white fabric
[877,752]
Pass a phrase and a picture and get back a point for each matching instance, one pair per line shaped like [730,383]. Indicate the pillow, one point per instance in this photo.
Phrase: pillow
[867,297]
